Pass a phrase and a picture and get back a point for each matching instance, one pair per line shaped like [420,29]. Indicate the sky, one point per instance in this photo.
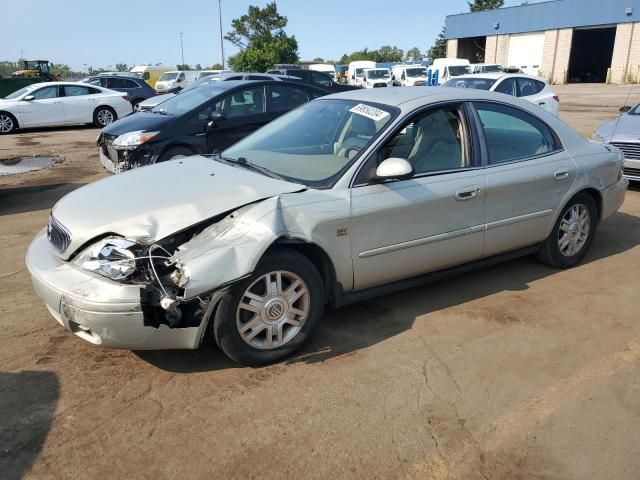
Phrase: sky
[86,33]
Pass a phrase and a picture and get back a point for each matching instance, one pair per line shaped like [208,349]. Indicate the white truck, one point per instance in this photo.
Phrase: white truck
[376,77]
[485,68]
[356,69]
[448,68]
[174,81]
[409,75]
[324,68]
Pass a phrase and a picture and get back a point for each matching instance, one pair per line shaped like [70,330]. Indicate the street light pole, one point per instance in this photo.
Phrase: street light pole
[181,47]
[221,39]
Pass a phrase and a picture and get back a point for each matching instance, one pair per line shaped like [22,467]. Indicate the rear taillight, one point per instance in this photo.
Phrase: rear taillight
[126,97]
[556,98]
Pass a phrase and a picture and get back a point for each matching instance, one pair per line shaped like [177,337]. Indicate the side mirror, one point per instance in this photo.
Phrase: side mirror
[624,109]
[214,118]
[394,169]
[28,98]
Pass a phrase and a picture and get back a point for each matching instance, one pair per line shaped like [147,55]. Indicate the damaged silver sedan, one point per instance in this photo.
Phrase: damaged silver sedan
[348,197]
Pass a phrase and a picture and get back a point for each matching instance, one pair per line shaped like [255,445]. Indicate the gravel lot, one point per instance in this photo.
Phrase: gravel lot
[517,371]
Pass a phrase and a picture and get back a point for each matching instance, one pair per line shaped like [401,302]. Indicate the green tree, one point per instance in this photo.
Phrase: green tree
[122,67]
[439,48]
[7,68]
[198,66]
[183,66]
[215,66]
[262,41]
[318,60]
[479,5]
[387,53]
[413,54]
[365,54]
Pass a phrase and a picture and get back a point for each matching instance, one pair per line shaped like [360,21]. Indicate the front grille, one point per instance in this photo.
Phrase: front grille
[58,236]
[420,83]
[630,150]
[378,85]
[107,147]
[632,172]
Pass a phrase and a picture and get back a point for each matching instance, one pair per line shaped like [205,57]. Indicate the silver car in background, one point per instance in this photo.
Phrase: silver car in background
[350,196]
[624,133]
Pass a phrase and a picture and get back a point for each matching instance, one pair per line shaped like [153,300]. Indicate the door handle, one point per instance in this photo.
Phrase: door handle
[542,103]
[561,174]
[467,193]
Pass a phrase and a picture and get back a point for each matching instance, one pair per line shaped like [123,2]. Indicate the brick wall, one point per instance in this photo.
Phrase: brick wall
[490,49]
[619,62]
[502,48]
[563,51]
[452,48]
[549,54]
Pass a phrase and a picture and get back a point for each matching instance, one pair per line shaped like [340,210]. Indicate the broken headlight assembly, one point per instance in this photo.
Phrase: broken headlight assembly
[133,139]
[114,258]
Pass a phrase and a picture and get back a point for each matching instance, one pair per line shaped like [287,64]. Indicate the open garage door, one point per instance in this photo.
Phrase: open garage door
[525,52]
[591,54]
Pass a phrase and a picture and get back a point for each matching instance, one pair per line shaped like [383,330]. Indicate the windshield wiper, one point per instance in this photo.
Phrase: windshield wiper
[243,162]
[161,112]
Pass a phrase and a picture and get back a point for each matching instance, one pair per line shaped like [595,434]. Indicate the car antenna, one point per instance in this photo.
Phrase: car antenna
[626,102]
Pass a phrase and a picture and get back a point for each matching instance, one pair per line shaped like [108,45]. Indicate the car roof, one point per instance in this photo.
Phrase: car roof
[408,96]
[497,75]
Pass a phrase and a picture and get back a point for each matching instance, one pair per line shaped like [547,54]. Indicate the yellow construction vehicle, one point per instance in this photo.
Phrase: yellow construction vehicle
[35,69]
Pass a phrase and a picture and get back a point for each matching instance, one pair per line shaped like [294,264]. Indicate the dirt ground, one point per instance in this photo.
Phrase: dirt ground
[517,371]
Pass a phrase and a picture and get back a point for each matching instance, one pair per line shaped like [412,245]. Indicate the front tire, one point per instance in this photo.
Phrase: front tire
[174,153]
[572,233]
[273,313]
[8,123]
[104,116]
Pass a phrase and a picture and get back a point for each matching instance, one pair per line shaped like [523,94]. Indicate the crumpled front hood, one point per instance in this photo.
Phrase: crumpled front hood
[150,203]
[146,121]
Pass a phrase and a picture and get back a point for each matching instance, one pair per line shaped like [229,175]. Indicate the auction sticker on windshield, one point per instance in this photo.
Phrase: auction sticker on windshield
[368,111]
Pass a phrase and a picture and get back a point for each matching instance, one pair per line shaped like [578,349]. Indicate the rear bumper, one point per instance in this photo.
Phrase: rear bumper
[613,197]
[96,309]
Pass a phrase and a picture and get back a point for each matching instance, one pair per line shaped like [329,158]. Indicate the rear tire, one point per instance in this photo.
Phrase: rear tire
[572,233]
[8,123]
[104,116]
[174,153]
[273,313]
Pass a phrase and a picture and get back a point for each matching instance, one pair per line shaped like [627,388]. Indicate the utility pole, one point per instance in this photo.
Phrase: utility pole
[221,39]
[181,47]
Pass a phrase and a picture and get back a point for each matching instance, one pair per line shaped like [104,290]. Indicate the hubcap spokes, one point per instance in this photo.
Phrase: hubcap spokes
[105,117]
[574,230]
[6,124]
[273,310]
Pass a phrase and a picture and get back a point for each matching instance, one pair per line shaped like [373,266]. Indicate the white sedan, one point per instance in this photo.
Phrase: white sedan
[51,104]
[534,89]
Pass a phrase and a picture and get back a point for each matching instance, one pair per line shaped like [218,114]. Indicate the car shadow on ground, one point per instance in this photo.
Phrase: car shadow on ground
[364,324]
[28,401]
[65,128]
[32,198]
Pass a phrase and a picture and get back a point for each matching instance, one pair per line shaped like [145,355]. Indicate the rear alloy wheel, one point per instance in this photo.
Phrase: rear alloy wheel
[572,234]
[7,123]
[103,116]
[271,314]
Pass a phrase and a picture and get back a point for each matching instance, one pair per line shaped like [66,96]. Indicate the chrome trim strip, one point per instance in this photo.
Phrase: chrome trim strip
[421,241]
[520,218]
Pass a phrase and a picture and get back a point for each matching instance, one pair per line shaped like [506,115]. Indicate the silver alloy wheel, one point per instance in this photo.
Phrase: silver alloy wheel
[6,123]
[272,311]
[574,230]
[105,117]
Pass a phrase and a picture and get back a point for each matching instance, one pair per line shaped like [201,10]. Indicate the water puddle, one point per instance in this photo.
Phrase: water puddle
[15,165]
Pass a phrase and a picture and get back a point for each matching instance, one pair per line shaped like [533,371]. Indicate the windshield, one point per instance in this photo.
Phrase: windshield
[187,101]
[371,74]
[168,76]
[478,83]
[458,70]
[416,72]
[359,72]
[634,111]
[313,144]
[22,91]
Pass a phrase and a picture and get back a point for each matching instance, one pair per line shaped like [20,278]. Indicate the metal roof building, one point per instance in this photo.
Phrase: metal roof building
[561,40]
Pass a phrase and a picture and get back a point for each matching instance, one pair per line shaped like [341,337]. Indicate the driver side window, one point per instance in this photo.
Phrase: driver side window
[248,101]
[45,93]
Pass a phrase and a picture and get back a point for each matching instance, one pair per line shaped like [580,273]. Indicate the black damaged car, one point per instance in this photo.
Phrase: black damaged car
[204,120]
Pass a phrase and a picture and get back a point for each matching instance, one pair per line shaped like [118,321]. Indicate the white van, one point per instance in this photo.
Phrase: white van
[355,71]
[208,73]
[324,68]
[448,68]
[172,82]
[409,75]
[151,73]
[376,77]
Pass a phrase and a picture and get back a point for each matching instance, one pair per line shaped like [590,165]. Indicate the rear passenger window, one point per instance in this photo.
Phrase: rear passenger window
[512,134]
[528,87]
[507,86]
[75,91]
[321,79]
[284,97]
